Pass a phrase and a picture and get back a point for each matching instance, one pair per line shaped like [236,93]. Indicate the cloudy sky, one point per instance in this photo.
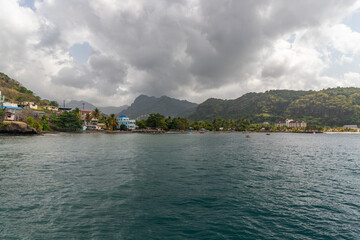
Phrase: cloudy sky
[110,51]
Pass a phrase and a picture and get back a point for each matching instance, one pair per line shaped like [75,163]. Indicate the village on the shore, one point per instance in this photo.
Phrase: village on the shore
[32,115]
[29,112]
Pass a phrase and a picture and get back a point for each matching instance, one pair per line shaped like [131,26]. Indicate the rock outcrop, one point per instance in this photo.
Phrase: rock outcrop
[15,127]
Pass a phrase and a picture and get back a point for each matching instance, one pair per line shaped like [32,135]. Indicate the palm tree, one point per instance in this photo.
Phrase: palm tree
[112,122]
[87,118]
[96,114]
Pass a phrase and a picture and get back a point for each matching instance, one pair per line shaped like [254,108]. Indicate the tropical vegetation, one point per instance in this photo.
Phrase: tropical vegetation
[15,92]
[328,107]
[112,122]
[66,121]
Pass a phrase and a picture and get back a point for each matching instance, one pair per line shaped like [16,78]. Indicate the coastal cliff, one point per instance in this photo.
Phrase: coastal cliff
[15,127]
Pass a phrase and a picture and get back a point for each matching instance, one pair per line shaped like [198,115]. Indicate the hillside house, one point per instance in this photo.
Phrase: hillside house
[28,105]
[11,113]
[9,104]
[52,108]
[38,114]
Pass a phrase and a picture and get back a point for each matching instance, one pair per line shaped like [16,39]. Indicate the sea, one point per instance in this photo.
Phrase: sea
[180,186]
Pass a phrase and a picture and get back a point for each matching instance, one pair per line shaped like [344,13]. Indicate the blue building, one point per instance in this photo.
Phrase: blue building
[130,124]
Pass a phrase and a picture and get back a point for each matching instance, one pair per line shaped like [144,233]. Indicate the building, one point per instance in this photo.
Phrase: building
[93,121]
[130,124]
[9,104]
[290,123]
[52,108]
[352,127]
[38,114]
[28,105]
[11,113]
[83,114]
[65,109]
[93,127]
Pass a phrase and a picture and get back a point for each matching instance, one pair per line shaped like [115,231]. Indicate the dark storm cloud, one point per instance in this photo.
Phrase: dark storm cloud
[171,45]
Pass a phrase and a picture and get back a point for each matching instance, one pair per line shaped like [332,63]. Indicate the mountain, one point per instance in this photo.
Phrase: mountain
[80,104]
[331,107]
[110,110]
[268,106]
[144,105]
[15,92]
[88,106]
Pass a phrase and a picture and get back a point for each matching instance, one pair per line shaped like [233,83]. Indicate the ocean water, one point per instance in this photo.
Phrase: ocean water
[191,186]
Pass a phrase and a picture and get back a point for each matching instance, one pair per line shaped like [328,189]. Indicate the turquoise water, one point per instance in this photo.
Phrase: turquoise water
[191,186]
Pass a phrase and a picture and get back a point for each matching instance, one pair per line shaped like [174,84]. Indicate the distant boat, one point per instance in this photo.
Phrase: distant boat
[268,134]
[247,136]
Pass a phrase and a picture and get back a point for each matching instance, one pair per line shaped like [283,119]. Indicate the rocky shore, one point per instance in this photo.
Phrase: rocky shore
[15,127]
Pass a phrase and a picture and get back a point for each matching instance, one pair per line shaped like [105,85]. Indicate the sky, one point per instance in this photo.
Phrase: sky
[108,52]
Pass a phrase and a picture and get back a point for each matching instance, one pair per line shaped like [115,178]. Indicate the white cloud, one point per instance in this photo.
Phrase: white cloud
[190,49]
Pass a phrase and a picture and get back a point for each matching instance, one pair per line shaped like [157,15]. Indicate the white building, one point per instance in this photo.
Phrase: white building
[9,104]
[28,105]
[130,124]
[11,113]
[290,123]
[352,127]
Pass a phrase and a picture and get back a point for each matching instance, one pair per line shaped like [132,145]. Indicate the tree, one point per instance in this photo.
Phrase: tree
[67,121]
[123,127]
[218,123]
[112,122]
[141,124]
[156,120]
[45,123]
[54,103]
[30,121]
[77,111]
[170,123]
[97,114]
[87,118]
[180,123]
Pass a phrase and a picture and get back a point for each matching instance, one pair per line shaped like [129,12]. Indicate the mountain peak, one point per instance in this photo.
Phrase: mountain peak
[167,106]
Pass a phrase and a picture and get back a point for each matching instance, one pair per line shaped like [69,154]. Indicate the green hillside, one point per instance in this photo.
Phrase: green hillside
[330,107]
[15,92]
[268,106]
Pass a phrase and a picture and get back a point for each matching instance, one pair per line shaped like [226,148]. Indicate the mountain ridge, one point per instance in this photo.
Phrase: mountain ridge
[167,106]
[89,106]
[330,107]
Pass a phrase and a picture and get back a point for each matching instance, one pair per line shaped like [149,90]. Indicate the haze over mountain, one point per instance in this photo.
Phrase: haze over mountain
[88,106]
[144,105]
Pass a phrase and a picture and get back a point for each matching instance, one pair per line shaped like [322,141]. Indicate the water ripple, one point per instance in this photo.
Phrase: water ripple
[210,186]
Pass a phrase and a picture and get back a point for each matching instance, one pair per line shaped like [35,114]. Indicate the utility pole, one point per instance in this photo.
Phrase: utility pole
[83,105]
[64,103]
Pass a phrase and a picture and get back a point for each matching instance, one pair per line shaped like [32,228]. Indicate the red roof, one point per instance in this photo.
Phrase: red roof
[85,111]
